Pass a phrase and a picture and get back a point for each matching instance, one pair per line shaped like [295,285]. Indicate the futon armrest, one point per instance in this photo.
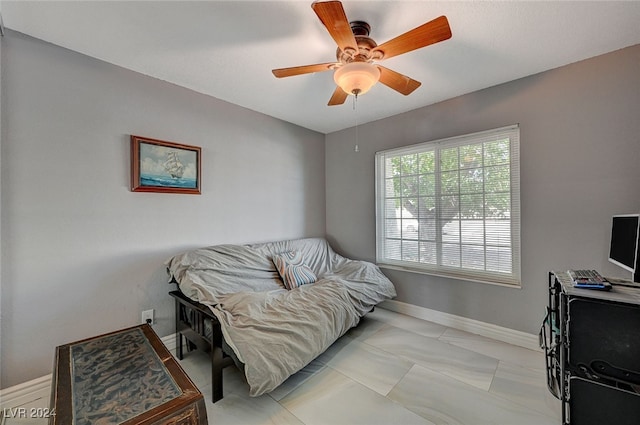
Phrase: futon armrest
[183,299]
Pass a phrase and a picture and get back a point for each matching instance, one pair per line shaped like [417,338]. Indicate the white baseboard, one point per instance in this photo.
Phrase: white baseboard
[169,341]
[26,392]
[38,388]
[510,336]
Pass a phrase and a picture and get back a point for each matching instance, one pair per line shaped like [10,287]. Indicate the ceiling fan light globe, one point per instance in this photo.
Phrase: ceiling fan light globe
[356,77]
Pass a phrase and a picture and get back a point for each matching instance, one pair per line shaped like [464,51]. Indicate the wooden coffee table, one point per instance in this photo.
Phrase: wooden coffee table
[124,377]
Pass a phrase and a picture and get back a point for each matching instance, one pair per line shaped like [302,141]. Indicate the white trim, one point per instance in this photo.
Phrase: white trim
[462,139]
[461,278]
[489,330]
[26,392]
[169,341]
[38,388]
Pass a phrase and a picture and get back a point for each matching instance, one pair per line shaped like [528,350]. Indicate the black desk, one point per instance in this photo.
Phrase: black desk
[592,347]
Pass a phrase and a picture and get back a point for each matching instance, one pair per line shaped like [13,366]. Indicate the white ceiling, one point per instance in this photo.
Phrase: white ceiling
[228,49]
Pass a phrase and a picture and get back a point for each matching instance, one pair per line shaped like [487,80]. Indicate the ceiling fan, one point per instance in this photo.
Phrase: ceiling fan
[355,70]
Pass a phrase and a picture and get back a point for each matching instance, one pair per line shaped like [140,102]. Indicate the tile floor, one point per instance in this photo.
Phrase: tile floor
[395,369]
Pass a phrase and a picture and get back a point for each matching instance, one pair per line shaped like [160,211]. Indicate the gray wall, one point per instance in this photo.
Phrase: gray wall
[580,164]
[1,137]
[81,253]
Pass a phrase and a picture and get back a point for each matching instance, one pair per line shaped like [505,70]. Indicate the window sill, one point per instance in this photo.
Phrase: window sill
[487,281]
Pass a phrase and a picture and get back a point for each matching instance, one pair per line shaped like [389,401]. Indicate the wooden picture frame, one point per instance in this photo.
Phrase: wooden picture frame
[165,167]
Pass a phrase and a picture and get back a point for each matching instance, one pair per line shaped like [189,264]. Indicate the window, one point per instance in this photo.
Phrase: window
[451,207]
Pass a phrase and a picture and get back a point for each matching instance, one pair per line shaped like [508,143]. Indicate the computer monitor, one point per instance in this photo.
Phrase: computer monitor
[625,230]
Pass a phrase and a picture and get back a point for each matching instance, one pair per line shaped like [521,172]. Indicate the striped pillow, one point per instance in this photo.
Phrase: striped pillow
[292,270]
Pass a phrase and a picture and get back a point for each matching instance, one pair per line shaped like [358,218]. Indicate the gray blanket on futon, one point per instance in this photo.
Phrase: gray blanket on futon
[274,331]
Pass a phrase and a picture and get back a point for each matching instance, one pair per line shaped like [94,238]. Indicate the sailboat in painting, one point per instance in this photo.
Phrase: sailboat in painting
[173,166]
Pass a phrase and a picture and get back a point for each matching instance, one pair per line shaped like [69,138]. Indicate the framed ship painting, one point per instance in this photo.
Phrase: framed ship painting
[159,166]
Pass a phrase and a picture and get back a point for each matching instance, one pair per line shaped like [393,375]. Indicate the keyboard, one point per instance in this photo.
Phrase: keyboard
[589,279]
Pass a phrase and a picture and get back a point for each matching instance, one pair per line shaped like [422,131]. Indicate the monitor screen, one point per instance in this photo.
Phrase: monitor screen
[624,241]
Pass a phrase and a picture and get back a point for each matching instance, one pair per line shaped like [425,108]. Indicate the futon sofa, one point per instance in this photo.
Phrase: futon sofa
[276,305]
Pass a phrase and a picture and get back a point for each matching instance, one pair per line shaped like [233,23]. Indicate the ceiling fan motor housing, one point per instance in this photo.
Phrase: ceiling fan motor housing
[360,28]
[366,44]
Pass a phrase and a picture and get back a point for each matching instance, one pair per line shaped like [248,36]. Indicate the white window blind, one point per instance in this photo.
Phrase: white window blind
[451,207]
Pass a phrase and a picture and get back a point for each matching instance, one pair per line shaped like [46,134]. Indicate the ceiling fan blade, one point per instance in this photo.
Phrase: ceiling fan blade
[332,16]
[338,97]
[429,33]
[299,70]
[398,82]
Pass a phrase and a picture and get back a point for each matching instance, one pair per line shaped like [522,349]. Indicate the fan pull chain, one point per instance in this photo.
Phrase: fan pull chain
[355,103]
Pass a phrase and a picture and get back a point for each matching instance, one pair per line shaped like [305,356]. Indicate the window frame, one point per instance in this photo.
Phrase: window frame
[512,279]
